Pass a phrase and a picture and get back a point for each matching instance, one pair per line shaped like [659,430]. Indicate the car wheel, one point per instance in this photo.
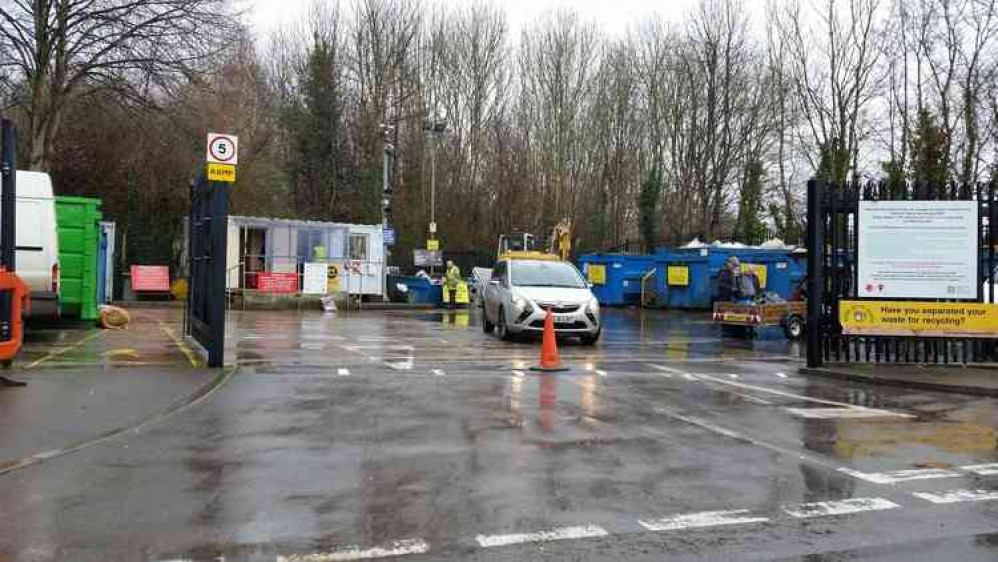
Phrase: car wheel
[503,330]
[487,327]
[590,339]
[794,327]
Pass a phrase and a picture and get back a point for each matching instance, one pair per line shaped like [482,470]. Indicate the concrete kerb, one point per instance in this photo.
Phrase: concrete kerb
[954,388]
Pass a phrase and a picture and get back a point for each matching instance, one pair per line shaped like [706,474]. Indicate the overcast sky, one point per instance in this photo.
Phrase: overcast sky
[612,15]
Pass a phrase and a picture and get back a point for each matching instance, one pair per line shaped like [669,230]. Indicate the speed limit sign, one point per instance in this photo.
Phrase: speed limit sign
[222,148]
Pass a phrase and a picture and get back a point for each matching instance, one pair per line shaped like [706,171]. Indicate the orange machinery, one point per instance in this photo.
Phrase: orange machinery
[13,292]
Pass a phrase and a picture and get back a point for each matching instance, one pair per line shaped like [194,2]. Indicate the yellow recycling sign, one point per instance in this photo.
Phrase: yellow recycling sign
[678,275]
[929,319]
[596,274]
[221,172]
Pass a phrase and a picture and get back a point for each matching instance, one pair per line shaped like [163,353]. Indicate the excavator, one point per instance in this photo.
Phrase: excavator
[524,245]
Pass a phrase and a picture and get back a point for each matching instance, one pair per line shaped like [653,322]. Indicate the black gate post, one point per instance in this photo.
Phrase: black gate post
[207,241]
[219,240]
[815,272]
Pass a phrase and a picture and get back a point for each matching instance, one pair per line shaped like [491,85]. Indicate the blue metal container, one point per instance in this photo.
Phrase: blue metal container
[619,282]
[622,275]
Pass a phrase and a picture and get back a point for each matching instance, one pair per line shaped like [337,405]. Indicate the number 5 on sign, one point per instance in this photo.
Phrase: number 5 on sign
[222,149]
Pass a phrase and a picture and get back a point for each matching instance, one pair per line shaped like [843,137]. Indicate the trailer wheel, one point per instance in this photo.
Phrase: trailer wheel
[793,327]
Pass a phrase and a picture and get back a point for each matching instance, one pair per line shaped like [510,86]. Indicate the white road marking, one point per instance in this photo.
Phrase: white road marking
[956,496]
[839,507]
[797,396]
[895,476]
[667,371]
[438,372]
[843,412]
[398,548]
[600,372]
[754,399]
[982,469]
[705,519]
[343,372]
[781,375]
[704,424]
[733,376]
[518,373]
[563,533]
[689,377]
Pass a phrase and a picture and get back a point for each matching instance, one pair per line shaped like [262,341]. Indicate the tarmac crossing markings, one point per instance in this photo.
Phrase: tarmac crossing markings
[343,372]
[398,548]
[559,534]
[895,476]
[438,372]
[839,507]
[982,469]
[957,496]
[704,519]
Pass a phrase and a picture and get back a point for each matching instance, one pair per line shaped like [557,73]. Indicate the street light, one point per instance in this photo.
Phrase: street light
[436,129]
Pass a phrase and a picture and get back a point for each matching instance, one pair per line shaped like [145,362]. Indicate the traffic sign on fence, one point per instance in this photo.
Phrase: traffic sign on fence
[389,234]
[222,149]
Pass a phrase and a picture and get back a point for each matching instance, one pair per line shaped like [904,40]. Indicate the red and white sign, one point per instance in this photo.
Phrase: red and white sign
[222,149]
[270,282]
[152,278]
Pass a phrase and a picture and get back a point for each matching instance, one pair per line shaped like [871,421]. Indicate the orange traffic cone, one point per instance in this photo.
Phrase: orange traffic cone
[549,348]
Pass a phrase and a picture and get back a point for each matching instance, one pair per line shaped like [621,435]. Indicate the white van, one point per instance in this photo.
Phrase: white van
[37,242]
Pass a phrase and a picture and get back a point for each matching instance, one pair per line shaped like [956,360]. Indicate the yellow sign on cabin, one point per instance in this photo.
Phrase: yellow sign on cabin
[221,172]
[432,245]
[678,275]
[929,319]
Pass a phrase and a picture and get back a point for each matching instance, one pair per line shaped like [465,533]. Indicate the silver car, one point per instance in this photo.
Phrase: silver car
[520,292]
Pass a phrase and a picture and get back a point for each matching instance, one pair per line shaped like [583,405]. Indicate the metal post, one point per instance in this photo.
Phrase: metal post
[433,187]
[815,271]
[384,224]
[8,205]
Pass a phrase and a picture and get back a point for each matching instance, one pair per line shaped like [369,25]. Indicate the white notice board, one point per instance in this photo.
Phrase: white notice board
[315,279]
[918,249]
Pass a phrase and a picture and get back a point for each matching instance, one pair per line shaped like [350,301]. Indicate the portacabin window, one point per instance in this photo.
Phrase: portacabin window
[358,247]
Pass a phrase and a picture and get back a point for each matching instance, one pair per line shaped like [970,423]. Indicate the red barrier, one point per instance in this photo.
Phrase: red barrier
[150,278]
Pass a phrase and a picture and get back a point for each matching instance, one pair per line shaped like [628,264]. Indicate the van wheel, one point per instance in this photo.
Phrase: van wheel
[793,327]
[487,327]
[503,330]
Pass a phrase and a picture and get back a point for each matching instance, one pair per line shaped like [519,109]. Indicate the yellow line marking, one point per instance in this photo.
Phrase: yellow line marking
[191,356]
[64,350]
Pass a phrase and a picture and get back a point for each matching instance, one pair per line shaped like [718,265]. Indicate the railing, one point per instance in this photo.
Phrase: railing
[353,278]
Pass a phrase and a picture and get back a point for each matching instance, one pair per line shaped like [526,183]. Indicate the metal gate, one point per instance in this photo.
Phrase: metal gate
[832,243]
[207,241]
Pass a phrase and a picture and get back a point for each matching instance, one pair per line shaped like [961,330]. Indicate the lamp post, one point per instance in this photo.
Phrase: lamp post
[386,193]
[435,129]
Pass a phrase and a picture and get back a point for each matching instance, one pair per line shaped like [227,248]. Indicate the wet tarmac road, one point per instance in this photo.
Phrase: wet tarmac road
[415,435]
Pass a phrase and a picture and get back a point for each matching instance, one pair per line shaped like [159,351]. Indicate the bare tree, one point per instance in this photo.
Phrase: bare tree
[60,49]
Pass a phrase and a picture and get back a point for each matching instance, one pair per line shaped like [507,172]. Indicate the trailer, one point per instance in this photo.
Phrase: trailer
[789,315]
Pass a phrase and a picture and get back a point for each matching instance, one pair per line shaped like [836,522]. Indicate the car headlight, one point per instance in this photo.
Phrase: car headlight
[522,304]
[593,306]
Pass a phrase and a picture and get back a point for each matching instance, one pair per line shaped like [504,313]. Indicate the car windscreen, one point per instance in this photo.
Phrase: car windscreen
[545,274]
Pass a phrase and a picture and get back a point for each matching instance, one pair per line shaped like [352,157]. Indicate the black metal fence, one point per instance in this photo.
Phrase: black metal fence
[207,253]
[832,242]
